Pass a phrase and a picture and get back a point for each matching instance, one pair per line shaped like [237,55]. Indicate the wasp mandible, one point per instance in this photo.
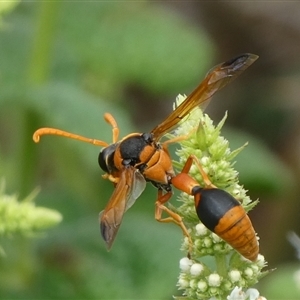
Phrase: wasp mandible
[140,157]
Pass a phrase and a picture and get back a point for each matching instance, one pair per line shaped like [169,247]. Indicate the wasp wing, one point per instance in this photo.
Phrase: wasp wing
[217,78]
[128,189]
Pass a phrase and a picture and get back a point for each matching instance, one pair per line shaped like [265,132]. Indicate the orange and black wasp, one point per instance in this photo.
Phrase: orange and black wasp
[140,157]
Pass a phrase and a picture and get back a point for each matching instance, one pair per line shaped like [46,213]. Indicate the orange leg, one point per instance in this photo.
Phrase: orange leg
[178,138]
[111,178]
[186,168]
[173,217]
[185,183]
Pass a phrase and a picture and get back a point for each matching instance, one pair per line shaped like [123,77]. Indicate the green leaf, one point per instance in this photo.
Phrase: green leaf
[126,43]
[282,284]
[260,170]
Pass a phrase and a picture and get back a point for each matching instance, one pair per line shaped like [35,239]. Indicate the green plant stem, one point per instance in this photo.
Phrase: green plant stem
[40,64]
[38,73]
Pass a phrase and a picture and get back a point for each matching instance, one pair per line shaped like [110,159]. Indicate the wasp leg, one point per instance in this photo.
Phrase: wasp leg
[208,183]
[173,217]
[178,138]
[111,178]
[187,166]
[115,129]
[185,183]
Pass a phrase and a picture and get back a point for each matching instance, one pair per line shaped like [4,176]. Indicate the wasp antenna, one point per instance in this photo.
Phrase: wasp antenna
[115,129]
[53,131]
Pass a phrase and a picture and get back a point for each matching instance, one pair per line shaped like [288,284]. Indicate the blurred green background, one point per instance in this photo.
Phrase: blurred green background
[63,64]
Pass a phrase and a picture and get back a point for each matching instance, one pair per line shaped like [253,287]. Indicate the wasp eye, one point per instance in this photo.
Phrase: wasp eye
[101,161]
[106,158]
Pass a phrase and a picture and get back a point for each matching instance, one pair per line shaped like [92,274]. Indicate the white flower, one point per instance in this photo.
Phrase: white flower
[214,280]
[207,242]
[236,294]
[260,261]
[193,284]
[235,275]
[196,269]
[248,272]
[202,285]
[183,283]
[185,264]
[201,230]
[216,238]
[204,160]
[251,294]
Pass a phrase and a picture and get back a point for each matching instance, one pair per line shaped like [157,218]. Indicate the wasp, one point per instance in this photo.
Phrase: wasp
[138,158]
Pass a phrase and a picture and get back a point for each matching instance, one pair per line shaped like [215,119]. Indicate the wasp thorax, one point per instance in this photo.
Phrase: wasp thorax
[131,148]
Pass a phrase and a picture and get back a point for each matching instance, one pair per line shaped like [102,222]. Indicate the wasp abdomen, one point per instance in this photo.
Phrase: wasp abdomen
[212,206]
[236,229]
[224,215]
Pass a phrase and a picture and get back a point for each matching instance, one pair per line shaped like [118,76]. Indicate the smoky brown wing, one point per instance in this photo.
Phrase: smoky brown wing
[128,189]
[217,78]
